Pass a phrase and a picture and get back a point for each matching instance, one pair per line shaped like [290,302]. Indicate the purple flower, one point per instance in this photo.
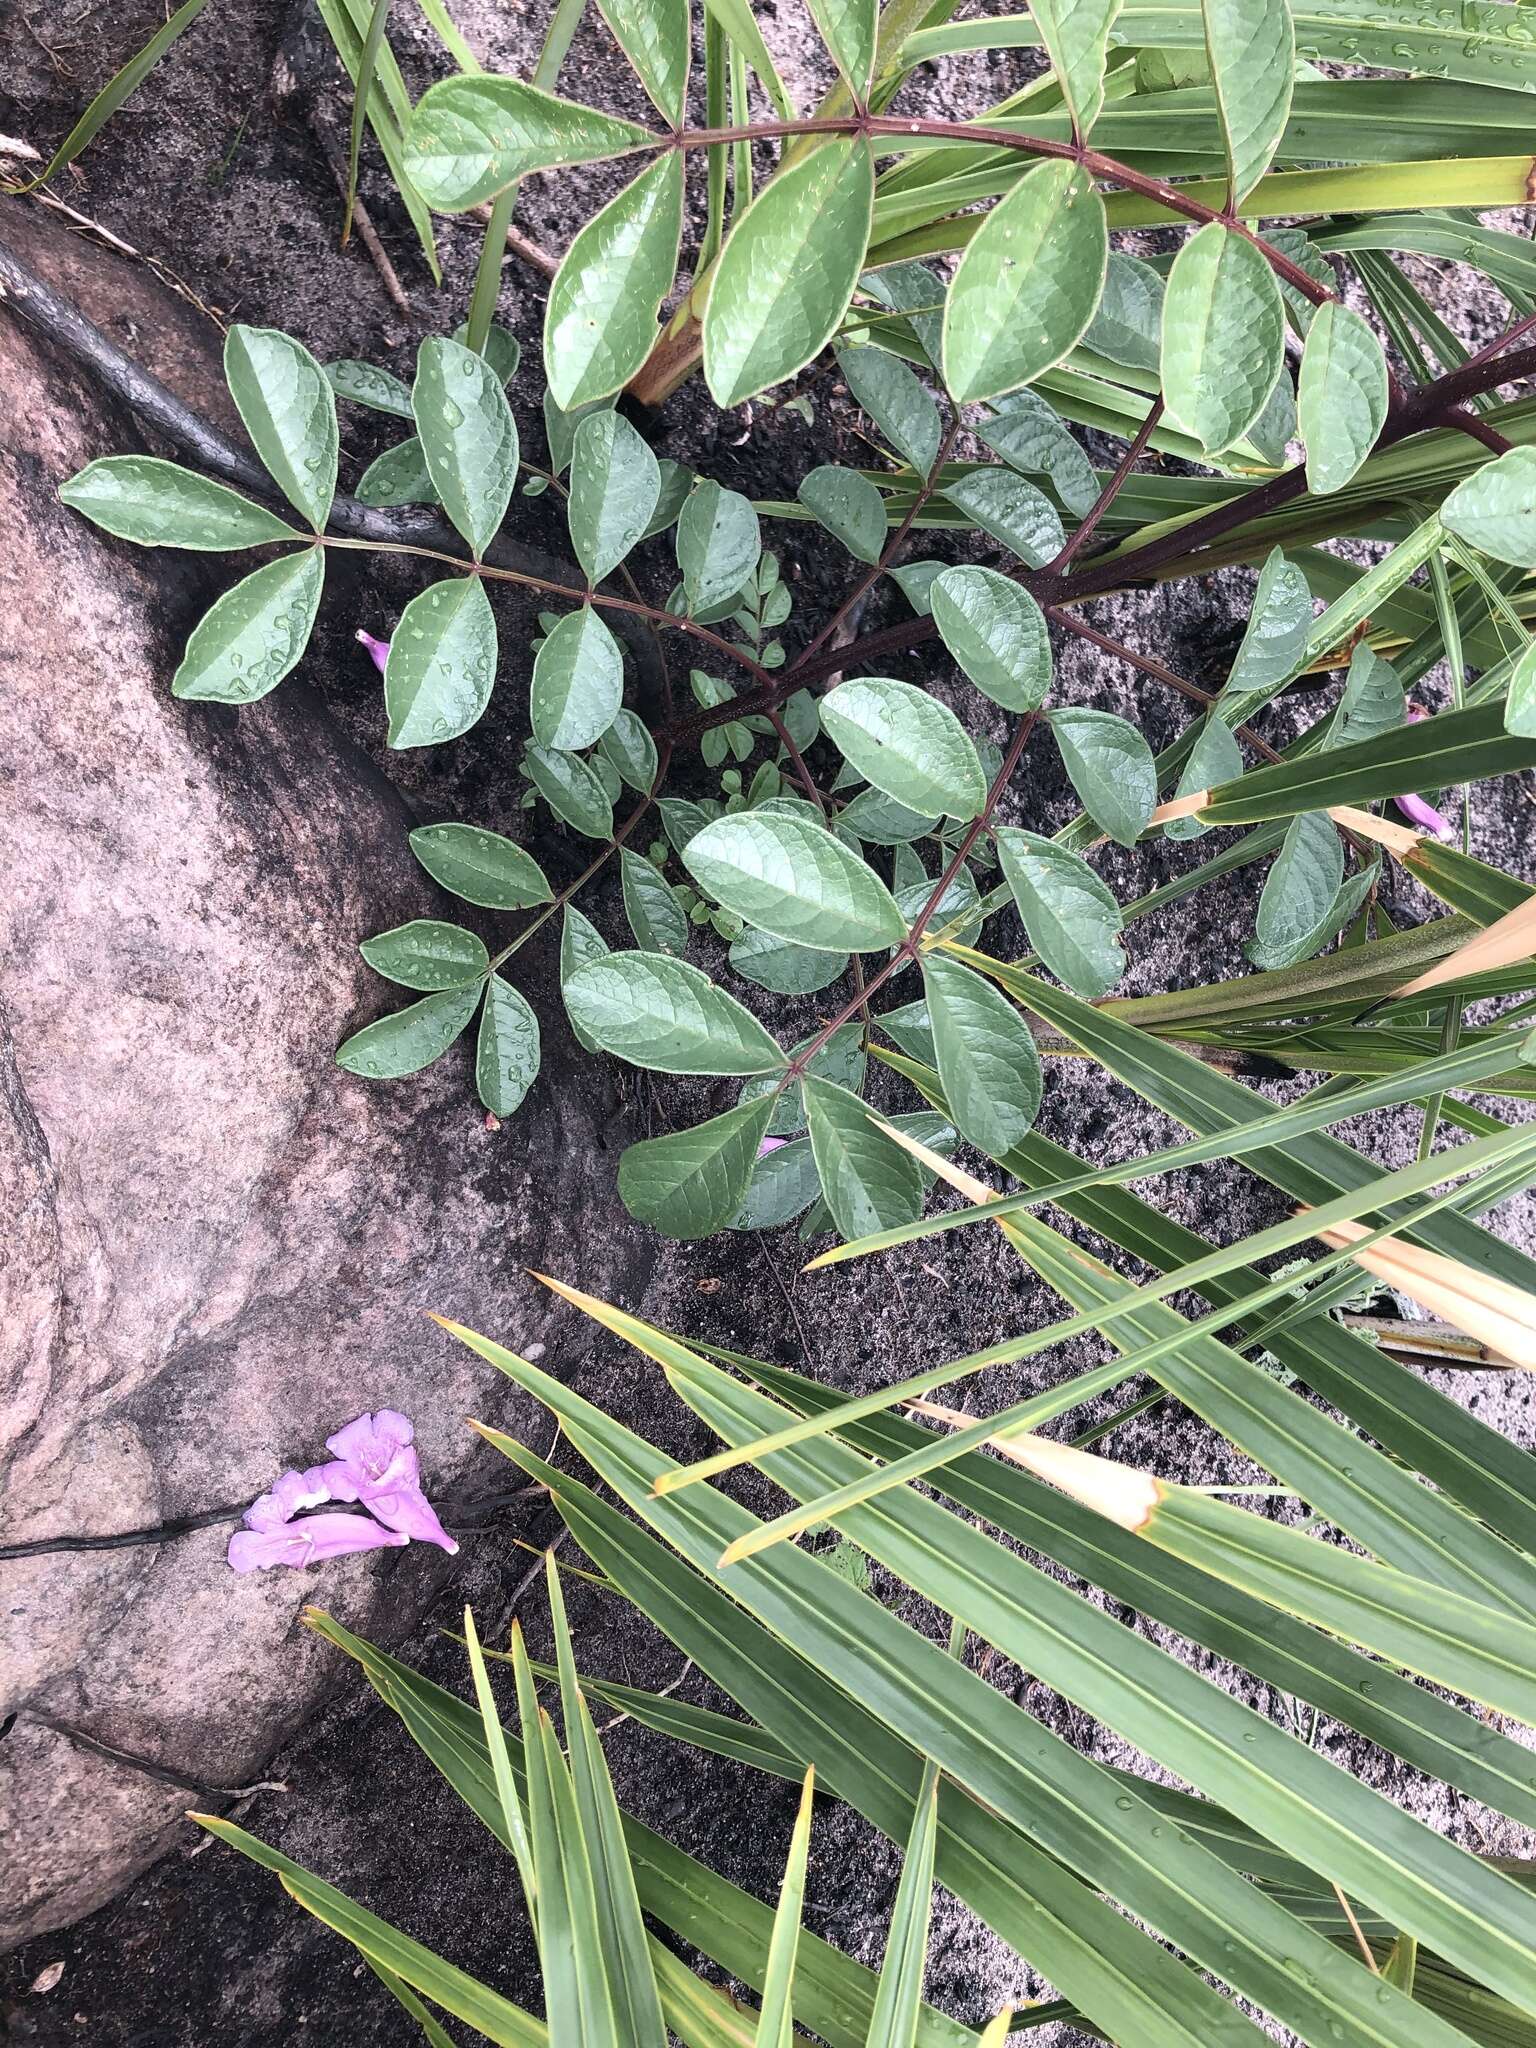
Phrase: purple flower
[377,1465]
[271,1536]
[378,649]
[1414,808]
[770,1145]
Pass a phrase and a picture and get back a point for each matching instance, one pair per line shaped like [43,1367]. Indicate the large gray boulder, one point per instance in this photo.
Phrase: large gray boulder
[218,1247]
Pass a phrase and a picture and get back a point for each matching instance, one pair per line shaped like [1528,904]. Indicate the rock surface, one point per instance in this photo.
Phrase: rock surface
[222,1244]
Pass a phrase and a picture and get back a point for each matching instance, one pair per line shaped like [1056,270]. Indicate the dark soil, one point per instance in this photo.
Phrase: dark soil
[218,177]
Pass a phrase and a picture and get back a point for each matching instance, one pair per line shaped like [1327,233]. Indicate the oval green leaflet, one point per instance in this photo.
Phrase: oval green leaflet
[987,1057]
[655,916]
[791,877]
[615,484]
[580,941]
[1223,336]
[398,477]
[366,384]
[788,270]
[578,682]
[907,744]
[1251,46]
[868,1181]
[1275,638]
[600,319]
[786,969]
[691,1183]
[1341,396]
[1128,325]
[572,790]
[1214,758]
[442,663]
[1111,768]
[1032,437]
[158,504]
[1070,917]
[427,954]
[289,411]
[897,403]
[245,644]
[470,137]
[1027,284]
[1494,509]
[848,28]
[1013,512]
[628,747]
[468,437]
[1076,36]
[408,1040]
[661,1013]
[849,506]
[1520,702]
[996,632]
[718,543]
[507,1050]
[654,36]
[1299,892]
[481,867]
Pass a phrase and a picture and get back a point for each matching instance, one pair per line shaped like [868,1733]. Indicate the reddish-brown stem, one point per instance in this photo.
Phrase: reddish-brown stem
[1500,342]
[1111,490]
[908,948]
[1151,666]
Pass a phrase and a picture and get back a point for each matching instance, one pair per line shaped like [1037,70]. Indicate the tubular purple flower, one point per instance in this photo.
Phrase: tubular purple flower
[1415,809]
[271,1536]
[770,1145]
[377,1465]
[377,649]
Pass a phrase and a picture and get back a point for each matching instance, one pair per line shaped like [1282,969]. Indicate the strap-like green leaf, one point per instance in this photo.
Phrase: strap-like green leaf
[776,2020]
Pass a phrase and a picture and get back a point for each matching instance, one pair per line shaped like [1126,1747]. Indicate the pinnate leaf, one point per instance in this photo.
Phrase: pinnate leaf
[868,1181]
[718,543]
[792,877]
[442,663]
[1275,638]
[580,941]
[1076,34]
[1028,283]
[245,644]
[655,915]
[1032,437]
[1215,758]
[654,36]
[572,789]
[1021,518]
[788,270]
[848,28]
[661,1013]
[1251,47]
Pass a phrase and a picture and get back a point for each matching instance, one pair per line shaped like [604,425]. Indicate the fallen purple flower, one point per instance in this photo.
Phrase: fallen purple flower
[1415,809]
[378,649]
[770,1145]
[377,1465]
[271,1536]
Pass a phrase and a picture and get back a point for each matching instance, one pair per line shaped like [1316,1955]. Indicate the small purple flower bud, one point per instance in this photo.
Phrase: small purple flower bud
[378,649]
[1414,808]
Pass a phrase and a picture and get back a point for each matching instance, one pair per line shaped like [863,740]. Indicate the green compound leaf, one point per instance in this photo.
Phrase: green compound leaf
[427,954]
[573,790]
[398,477]
[849,29]
[600,321]
[661,1013]
[849,506]
[1494,510]
[1027,284]
[578,682]
[690,1184]
[628,748]
[580,941]
[468,437]
[1223,337]
[409,1039]
[1076,36]
[1019,517]
[157,504]
[718,543]
[289,411]
[791,877]
[442,663]
[987,1057]
[481,867]
[1070,918]
[1033,438]
[366,384]
[1111,768]
[1213,759]
[1299,890]
[615,485]
[1275,639]
[1341,396]
[245,644]
[655,916]
[897,403]
[654,36]
[996,632]
[1251,46]
[507,1050]
[868,1181]
[907,744]
[470,137]
[788,271]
